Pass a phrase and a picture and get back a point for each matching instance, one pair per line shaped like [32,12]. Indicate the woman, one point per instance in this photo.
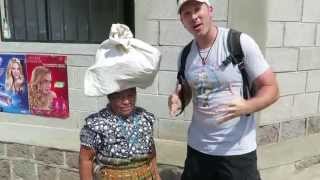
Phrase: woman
[40,94]
[119,141]
[14,76]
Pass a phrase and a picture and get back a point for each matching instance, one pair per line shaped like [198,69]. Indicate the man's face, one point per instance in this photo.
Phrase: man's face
[196,17]
[45,85]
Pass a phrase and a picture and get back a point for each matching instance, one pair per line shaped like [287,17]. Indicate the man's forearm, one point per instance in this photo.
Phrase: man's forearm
[265,96]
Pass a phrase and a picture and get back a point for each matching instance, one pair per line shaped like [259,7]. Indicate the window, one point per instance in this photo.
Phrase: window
[81,21]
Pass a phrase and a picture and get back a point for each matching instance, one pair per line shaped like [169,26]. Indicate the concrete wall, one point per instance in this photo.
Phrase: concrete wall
[288,32]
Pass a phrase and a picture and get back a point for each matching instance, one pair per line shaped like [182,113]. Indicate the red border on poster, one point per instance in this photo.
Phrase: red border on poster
[48,85]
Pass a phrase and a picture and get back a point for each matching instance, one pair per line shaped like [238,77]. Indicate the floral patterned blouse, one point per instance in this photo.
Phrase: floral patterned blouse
[116,137]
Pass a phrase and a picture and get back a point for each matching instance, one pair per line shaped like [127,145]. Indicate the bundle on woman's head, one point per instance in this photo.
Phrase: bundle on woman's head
[121,62]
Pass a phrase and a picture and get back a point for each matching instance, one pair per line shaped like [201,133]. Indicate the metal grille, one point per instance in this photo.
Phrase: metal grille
[82,21]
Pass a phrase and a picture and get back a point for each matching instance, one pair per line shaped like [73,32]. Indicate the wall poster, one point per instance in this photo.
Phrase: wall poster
[34,84]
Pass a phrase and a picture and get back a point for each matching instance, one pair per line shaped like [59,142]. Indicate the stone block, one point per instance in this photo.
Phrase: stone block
[268,134]
[284,10]
[4,170]
[173,129]
[288,152]
[311,11]
[80,61]
[279,111]
[168,9]
[149,32]
[19,151]
[318,35]
[292,129]
[47,172]
[292,83]
[2,149]
[78,101]
[173,33]
[305,105]
[156,129]
[220,9]
[169,59]
[76,77]
[167,152]
[50,48]
[24,170]
[275,31]
[167,82]
[78,117]
[49,155]
[69,175]
[282,59]
[299,34]
[155,104]
[309,58]
[313,81]
[72,159]
[314,125]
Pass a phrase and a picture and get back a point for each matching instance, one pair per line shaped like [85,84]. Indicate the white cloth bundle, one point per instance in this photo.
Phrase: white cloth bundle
[122,62]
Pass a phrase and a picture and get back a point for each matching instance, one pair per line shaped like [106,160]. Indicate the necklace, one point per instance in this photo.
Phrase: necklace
[204,60]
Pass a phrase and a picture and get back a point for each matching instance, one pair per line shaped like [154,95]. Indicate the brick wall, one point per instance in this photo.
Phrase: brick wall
[18,161]
[292,49]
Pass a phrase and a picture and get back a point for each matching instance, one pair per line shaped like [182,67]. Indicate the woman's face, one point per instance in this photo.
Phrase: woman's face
[45,84]
[123,102]
[15,71]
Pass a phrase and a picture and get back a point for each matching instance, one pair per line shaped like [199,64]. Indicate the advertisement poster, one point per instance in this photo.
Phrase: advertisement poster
[13,84]
[48,85]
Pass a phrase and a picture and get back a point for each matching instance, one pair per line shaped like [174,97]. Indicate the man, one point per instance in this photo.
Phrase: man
[222,134]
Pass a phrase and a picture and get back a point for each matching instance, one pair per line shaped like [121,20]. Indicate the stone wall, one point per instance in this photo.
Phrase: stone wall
[25,162]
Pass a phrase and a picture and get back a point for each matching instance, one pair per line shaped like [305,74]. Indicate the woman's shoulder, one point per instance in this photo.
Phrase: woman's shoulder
[96,119]
[146,114]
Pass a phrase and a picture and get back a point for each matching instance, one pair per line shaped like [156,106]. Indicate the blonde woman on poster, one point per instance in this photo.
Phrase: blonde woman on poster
[15,80]
[42,99]
[13,84]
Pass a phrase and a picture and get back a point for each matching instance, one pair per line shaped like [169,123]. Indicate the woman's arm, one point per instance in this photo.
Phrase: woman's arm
[154,162]
[86,163]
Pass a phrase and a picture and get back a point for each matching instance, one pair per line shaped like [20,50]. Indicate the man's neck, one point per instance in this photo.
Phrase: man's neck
[208,39]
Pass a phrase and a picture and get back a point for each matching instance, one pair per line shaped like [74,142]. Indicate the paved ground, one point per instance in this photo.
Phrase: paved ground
[311,173]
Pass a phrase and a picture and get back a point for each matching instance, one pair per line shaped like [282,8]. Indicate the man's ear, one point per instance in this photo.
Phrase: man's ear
[211,10]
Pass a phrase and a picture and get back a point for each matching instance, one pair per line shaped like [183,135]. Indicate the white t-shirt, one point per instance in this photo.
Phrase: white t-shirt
[214,84]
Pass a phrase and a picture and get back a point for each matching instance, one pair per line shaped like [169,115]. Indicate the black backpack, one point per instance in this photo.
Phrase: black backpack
[236,58]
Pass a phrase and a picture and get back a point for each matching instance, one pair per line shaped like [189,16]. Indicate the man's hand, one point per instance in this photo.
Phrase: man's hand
[230,110]
[174,102]
[233,109]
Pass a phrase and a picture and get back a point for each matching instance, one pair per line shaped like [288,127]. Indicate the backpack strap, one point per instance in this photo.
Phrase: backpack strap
[236,58]
[181,76]
[183,59]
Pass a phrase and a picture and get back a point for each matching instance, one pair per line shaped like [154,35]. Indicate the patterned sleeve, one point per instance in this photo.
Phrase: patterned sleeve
[150,117]
[89,137]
